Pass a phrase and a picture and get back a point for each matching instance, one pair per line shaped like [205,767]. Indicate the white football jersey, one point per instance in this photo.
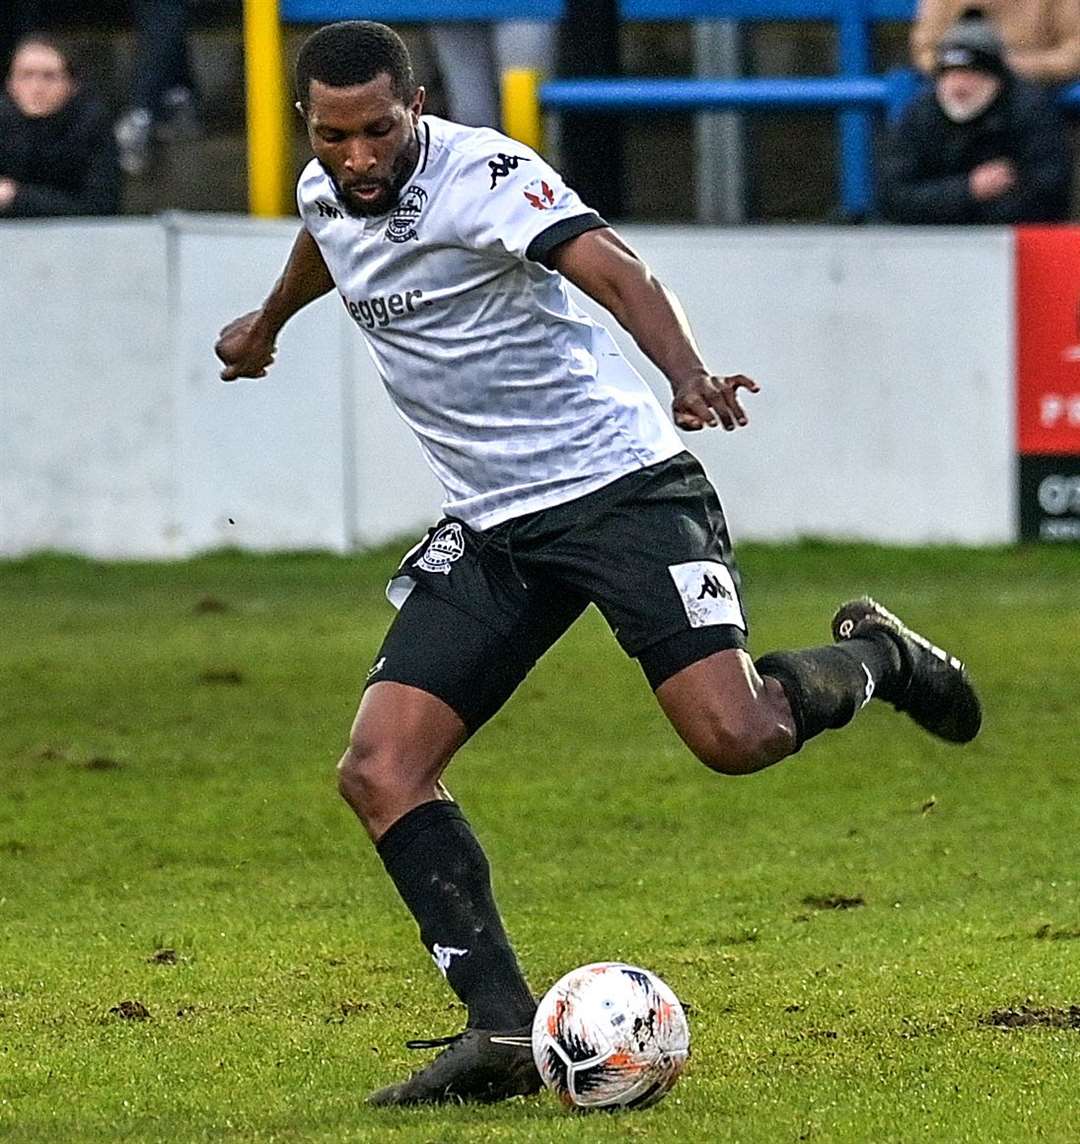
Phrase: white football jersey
[519,399]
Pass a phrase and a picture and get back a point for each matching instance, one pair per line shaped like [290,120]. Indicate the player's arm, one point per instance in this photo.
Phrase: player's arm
[247,345]
[604,267]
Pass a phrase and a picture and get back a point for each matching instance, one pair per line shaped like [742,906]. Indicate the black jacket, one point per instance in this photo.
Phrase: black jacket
[64,164]
[928,158]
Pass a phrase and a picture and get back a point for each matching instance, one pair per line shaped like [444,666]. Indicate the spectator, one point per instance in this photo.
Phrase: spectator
[162,90]
[1042,37]
[57,155]
[471,57]
[981,145]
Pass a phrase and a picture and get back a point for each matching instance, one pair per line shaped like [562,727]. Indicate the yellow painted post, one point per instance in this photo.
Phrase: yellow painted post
[521,106]
[268,142]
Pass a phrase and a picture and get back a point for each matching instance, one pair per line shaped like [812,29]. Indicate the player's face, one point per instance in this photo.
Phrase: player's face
[39,82]
[365,136]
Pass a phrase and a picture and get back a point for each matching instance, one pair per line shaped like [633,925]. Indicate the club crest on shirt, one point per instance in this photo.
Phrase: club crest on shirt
[405,216]
[539,194]
[446,546]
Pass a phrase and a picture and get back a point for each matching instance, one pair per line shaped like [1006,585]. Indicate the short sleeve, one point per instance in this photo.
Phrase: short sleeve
[511,201]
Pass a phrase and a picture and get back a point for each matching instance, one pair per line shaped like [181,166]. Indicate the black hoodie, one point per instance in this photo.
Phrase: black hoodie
[64,164]
[928,158]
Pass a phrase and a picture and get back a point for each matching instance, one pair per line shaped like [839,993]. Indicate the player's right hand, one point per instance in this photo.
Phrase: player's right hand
[246,347]
[706,401]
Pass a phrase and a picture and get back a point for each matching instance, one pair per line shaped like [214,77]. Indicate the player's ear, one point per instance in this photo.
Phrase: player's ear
[300,107]
[417,105]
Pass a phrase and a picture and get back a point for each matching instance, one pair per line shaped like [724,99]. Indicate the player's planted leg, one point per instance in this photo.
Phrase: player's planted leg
[401,742]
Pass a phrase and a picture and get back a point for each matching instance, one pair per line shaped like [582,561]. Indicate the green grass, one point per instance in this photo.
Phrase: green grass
[166,781]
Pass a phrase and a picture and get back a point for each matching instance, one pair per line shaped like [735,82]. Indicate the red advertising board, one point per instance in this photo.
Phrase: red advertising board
[1048,340]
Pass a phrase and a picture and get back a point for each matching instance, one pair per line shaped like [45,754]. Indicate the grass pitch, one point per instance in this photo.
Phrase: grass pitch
[198,944]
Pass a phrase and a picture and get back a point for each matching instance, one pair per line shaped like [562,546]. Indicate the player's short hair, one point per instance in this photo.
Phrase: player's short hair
[354,52]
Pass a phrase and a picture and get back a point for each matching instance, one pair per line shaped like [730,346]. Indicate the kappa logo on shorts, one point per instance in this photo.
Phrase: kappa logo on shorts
[711,587]
[445,547]
[708,593]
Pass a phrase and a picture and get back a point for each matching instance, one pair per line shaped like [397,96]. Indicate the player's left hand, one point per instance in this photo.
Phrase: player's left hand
[707,401]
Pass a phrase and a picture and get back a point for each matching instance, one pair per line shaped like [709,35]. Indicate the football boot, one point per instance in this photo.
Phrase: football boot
[934,688]
[481,1065]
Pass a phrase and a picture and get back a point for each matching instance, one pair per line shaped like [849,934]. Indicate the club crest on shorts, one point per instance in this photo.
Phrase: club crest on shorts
[446,546]
[405,216]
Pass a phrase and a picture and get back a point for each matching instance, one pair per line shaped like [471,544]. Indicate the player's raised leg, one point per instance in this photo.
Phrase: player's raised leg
[740,716]
[933,688]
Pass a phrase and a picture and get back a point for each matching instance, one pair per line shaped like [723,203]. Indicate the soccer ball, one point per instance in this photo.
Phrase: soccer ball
[610,1035]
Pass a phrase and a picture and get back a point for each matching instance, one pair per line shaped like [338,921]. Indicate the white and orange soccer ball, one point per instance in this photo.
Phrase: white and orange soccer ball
[610,1035]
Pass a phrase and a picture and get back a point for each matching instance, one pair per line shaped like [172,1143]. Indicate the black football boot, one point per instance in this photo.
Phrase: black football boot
[934,688]
[481,1065]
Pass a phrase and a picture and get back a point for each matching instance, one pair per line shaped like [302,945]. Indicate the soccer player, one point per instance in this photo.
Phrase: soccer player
[565,485]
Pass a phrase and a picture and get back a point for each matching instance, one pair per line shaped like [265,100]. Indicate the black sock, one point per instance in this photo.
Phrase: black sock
[443,876]
[826,686]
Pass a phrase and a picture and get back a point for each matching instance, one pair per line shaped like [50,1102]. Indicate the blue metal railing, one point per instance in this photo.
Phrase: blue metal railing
[853,91]
[418,11]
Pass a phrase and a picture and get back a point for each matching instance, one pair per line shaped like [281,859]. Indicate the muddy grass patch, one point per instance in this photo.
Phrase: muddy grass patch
[833,901]
[221,677]
[1027,1017]
[130,1011]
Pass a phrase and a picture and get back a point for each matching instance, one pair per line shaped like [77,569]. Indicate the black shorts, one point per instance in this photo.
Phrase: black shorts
[650,550]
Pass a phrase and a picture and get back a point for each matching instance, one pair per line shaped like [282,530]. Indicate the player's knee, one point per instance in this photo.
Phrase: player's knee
[742,745]
[365,778]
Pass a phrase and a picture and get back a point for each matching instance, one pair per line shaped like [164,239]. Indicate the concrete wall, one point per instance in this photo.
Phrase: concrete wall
[885,356]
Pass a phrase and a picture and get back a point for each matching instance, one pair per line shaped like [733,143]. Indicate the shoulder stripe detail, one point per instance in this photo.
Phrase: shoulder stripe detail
[427,148]
[543,245]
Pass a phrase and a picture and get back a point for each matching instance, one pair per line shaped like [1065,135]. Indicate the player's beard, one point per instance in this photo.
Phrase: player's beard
[393,186]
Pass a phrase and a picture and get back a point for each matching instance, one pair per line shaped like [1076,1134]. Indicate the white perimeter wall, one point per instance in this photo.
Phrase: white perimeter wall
[885,356]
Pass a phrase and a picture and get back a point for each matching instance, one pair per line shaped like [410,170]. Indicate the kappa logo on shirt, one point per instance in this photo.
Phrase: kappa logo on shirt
[540,195]
[406,215]
[327,210]
[502,165]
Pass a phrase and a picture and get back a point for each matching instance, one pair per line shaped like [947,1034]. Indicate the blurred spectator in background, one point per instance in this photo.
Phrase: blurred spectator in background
[472,57]
[57,155]
[981,145]
[1042,37]
[162,90]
